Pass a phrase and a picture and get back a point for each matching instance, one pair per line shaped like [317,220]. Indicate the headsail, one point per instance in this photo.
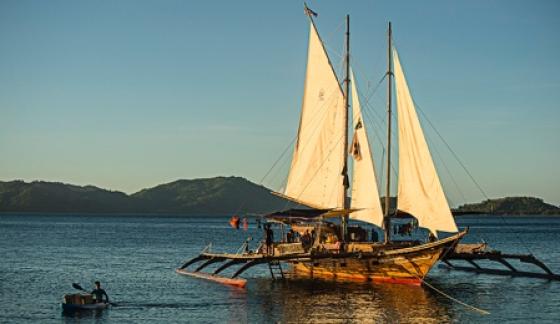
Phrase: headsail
[365,195]
[419,191]
[316,171]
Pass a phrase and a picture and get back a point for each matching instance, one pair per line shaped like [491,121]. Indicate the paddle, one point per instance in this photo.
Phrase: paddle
[77,286]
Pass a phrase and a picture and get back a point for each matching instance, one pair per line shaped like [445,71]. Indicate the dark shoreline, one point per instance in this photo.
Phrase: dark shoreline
[217,215]
[83,214]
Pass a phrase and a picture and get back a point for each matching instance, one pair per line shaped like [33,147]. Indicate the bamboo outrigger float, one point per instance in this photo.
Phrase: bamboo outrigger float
[319,178]
[471,253]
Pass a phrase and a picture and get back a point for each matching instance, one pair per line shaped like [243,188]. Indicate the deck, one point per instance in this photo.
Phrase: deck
[294,253]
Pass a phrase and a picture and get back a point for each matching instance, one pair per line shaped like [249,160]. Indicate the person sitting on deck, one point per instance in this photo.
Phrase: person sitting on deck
[98,293]
[432,237]
[337,246]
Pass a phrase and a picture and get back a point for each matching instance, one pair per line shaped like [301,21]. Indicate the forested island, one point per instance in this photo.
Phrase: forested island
[209,196]
[511,206]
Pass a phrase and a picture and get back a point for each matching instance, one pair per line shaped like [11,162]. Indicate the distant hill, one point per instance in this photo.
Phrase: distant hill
[512,206]
[39,196]
[220,195]
[212,195]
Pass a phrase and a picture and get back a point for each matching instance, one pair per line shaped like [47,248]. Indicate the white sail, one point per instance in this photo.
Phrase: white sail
[316,172]
[419,191]
[365,195]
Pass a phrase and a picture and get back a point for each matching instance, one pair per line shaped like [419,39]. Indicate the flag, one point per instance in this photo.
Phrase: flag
[358,124]
[355,148]
[310,12]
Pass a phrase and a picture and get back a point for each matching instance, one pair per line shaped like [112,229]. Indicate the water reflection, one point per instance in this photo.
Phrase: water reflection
[305,300]
[238,306]
[76,316]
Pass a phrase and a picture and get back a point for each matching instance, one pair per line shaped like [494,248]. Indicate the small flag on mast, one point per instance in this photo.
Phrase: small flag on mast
[309,12]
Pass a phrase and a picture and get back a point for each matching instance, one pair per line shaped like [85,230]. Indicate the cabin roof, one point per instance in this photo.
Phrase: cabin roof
[296,215]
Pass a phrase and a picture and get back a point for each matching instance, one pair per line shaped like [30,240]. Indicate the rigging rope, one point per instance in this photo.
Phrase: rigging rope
[440,158]
[476,309]
[523,243]
[452,151]
[290,145]
[331,150]
[479,187]
[303,146]
[441,292]
[323,162]
[370,113]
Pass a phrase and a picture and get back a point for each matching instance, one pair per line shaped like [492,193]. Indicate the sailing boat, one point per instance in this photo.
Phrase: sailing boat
[319,172]
[318,178]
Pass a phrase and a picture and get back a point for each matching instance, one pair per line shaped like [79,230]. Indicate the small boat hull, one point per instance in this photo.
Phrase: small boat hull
[82,307]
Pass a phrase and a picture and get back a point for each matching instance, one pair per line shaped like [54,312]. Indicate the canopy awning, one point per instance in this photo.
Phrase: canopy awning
[295,215]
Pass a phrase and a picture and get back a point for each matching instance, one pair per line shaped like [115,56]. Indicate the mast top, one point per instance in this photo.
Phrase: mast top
[308,11]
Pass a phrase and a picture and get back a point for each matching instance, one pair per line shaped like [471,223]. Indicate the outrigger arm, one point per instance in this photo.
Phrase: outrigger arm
[462,253]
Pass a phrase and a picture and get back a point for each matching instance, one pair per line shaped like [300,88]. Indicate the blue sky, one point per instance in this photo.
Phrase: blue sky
[129,94]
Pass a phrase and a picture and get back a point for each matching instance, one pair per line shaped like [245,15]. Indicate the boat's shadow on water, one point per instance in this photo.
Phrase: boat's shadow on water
[309,300]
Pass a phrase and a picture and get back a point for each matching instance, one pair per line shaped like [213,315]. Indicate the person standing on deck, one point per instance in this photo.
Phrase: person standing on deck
[98,293]
[290,236]
[269,239]
[374,236]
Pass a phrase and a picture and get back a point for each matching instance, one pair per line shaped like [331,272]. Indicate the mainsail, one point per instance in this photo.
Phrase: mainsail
[365,195]
[419,191]
[317,165]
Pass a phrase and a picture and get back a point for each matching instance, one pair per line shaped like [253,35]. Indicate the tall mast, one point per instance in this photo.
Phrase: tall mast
[346,108]
[386,219]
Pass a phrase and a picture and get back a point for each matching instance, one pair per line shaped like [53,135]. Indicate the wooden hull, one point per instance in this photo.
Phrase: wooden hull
[388,264]
[405,269]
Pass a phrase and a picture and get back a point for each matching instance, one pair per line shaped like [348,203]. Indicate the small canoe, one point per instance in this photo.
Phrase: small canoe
[77,307]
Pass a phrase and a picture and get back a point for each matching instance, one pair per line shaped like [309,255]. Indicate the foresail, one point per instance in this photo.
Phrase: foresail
[365,195]
[419,191]
[316,170]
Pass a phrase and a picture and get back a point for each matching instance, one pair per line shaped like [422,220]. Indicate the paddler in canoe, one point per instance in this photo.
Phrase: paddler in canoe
[98,294]
[91,301]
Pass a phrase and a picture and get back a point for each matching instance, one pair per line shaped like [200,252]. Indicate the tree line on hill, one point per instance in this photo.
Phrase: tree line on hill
[219,196]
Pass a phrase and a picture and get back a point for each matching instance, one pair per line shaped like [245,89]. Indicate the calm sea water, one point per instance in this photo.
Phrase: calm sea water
[135,257]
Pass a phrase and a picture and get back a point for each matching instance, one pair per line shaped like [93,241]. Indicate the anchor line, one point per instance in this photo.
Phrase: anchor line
[476,309]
